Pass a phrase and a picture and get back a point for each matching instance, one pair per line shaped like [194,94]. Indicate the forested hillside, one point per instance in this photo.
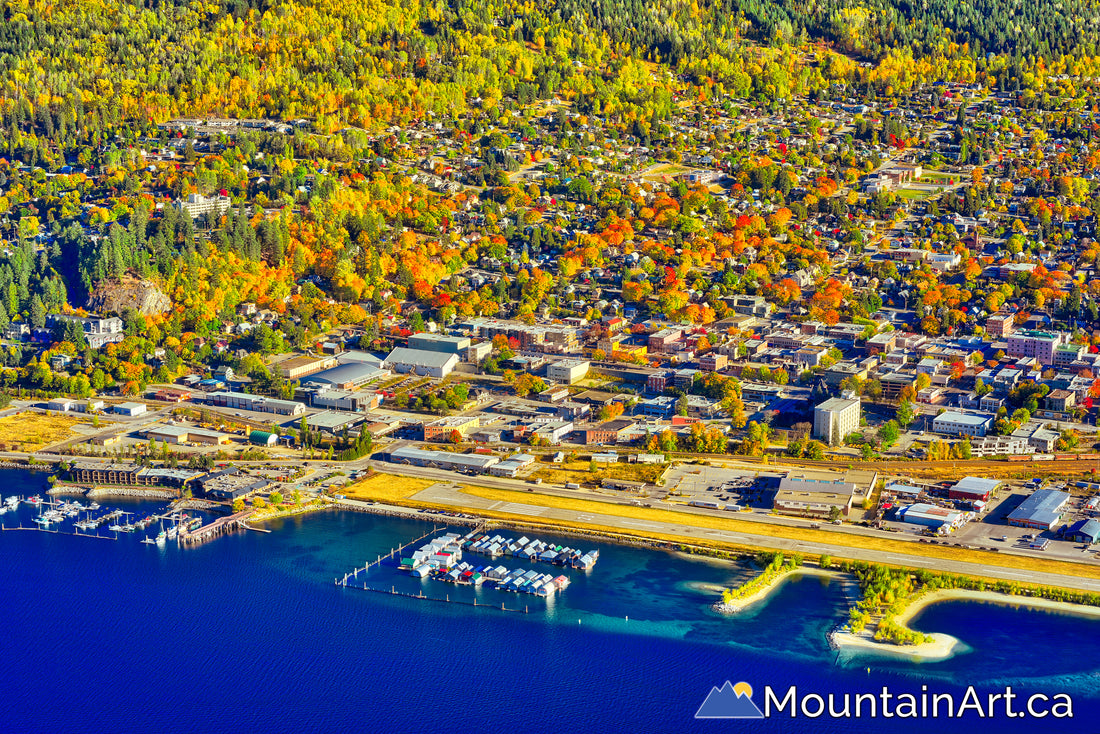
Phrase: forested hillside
[367,156]
[70,66]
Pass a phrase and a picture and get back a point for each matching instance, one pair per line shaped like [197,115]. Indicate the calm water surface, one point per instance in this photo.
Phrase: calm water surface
[249,632]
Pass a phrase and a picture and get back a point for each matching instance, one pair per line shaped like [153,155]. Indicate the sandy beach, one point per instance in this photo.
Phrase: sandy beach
[942,647]
[945,646]
[739,605]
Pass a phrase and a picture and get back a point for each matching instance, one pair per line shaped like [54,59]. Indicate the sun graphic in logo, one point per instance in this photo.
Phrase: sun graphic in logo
[730,702]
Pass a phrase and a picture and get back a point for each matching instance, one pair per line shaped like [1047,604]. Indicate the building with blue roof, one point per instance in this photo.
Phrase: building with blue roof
[1084,531]
[1041,511]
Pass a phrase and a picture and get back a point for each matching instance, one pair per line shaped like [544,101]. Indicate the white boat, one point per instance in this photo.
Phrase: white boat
[162,537]
[94,506]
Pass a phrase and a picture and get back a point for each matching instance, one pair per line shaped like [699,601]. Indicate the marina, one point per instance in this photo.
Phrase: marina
[531,550]
[53,514]
[441,559]
[580,634]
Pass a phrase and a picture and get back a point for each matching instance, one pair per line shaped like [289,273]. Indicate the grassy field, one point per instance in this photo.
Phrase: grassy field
[665,169]
[386,488]
[35,429]
[778,531]
[578,472]
[913,194]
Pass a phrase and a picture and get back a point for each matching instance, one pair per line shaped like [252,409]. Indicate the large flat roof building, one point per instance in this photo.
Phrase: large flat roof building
[304,364]
[443,459]
[953,423]
[933,517]
[421,362]
[444,428]
[196,205]
[328,421]
[439,343]
[568,371]
[813,497]
[186,434]
[974,488]
[1041,511]
[257,403]
[1038,344]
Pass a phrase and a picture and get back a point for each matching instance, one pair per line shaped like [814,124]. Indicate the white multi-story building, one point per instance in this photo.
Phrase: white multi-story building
[568,371]
[952,423]
[197,205]
[1000,445]
[836,418]
[97,329]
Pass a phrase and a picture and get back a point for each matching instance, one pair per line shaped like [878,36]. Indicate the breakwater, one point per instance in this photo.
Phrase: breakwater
[409,514]
[69,489]
[148,494]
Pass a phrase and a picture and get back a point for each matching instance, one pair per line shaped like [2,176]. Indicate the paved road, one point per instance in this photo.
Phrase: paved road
[453,498]
[449,495]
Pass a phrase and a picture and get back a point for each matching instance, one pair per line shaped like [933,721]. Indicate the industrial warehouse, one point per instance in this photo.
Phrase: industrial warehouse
[478,463]
[1043,510]
[814,497]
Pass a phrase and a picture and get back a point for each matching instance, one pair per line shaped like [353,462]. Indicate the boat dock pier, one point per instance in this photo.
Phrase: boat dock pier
[217,527]
[392,591]
[61,532]
[96,522]
[354,573]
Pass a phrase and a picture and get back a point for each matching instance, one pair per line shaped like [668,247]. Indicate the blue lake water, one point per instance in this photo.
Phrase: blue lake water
[248,630]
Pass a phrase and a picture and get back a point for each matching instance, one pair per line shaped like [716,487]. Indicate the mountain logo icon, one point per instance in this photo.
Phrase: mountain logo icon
[730,702]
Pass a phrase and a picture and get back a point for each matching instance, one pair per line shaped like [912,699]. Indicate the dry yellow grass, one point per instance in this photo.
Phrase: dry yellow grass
[579,472]
[710,522]
[386,488]
[35,429]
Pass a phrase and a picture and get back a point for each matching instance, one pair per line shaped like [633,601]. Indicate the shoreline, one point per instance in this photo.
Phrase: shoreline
[944,646]
[141,493]
[298,510]
[993,597]
[739,605]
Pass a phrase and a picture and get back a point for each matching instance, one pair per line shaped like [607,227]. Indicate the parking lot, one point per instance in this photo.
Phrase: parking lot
[694,483]
[990,529]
